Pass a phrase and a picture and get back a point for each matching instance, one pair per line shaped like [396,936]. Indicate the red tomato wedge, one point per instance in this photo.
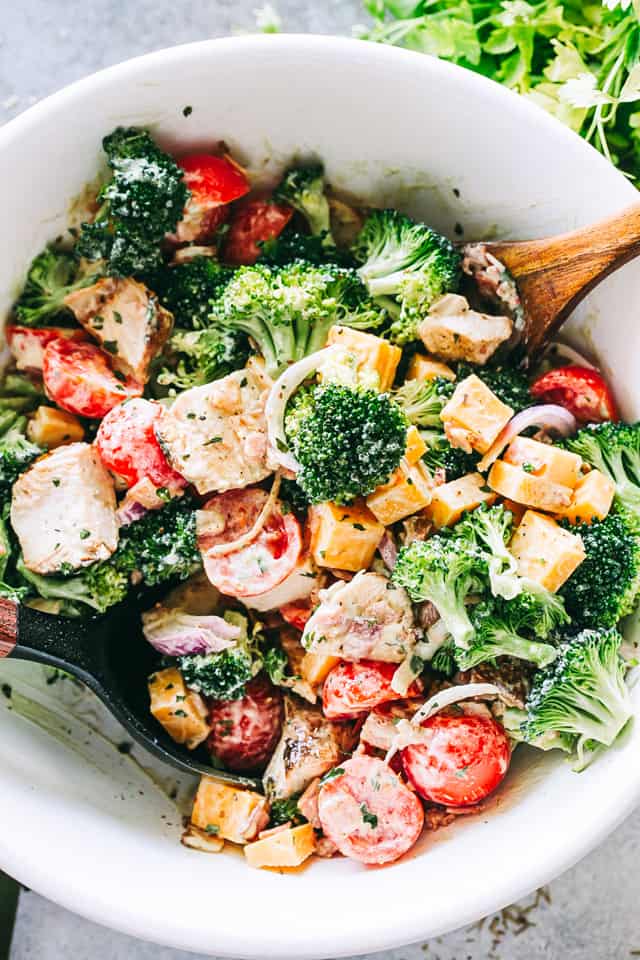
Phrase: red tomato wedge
[368,812]
[79,378]
[253,222]
[244,732]
[28,343]
[214,182]
[465,759]
[260,565]
[127,445]
[353,688]
[581,390]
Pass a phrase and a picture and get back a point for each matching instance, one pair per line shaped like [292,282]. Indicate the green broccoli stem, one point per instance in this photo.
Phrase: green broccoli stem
[506,643]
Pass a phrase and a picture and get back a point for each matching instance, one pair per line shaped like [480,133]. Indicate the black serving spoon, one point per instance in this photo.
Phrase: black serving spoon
[109,655]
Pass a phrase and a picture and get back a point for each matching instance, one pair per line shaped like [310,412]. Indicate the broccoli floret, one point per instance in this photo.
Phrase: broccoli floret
[444,570]
[286,811]
[499,631]
[444,660]
[489,530]
[508,383]
[189,289]
[107,584]
[288,311]
[582,694]
[293,496]
[605,586]
[291,245]
[143,201]
[538,609]
[614,449]
[422,401]
[303,189]
[196,357]
[16,452]
[52,275]
[161,545]
[276,664]
[348,441]
[225,675]
[440,455]
[407,265]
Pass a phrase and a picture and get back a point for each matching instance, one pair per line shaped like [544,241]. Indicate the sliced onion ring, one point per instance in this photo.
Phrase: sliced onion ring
[548,416]
[408,731]
[222,549]
[279,396]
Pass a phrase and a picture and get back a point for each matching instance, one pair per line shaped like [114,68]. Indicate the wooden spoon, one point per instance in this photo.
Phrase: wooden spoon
[555,273]
[110,656]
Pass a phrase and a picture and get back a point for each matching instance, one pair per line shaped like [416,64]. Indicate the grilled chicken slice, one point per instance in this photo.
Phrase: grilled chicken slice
[63,510]
[367,618]
[308,748]
[454,331]
[126,319]
[216,435]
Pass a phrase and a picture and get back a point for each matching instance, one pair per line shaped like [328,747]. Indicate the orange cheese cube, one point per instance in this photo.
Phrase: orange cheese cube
[181,712]
[545,551]
[366,352]
[344,537]
[450,500]
[424,368]
[514,483]
[543,460]
[286,848]
[591,499]
[53,428]
[314,667]
[407,492]
[415,445]
[229,813]
[475,410]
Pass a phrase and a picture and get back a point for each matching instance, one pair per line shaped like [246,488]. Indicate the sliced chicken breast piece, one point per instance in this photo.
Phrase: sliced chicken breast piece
[216,435]
[367,618]
[454,331]
[308,748]
[63,511]
[126,319]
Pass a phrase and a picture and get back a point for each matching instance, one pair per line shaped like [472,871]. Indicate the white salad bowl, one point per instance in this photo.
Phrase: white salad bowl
[84,824]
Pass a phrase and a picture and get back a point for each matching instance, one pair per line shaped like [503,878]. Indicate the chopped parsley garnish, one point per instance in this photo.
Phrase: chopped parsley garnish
[368,816]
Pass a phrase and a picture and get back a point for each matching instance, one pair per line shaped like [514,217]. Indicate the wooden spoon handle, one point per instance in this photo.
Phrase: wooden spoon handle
[8,626]
[554,274]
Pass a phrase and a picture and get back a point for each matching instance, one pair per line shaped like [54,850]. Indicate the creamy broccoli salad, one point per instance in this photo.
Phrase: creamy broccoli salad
[373,553]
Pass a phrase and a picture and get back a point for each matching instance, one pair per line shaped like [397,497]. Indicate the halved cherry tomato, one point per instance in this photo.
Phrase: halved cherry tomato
[264,562]
[354,688]
[254,221]
[213,183]
[297,613]
[368,812]
[127,445]
[464,760]
[244,732]
[79,377]
[583,391]
[27,343]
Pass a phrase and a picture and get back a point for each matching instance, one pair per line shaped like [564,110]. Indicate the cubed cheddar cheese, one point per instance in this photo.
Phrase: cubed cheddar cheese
[181,712]
[52,428]
[514,483]
[545,551]
[425,368]
[314,667]
[475,410]
[450,500]
[229,813]
[368,353]
[591,499]
[197,839]
[286,848]
[344,537]
[415,445]
[543,460]
[408,491]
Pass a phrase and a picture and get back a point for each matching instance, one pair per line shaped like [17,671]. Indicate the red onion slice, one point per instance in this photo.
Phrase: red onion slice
[176,634]
[547,416]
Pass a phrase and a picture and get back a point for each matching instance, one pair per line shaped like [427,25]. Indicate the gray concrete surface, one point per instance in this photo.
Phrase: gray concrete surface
[591,913]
